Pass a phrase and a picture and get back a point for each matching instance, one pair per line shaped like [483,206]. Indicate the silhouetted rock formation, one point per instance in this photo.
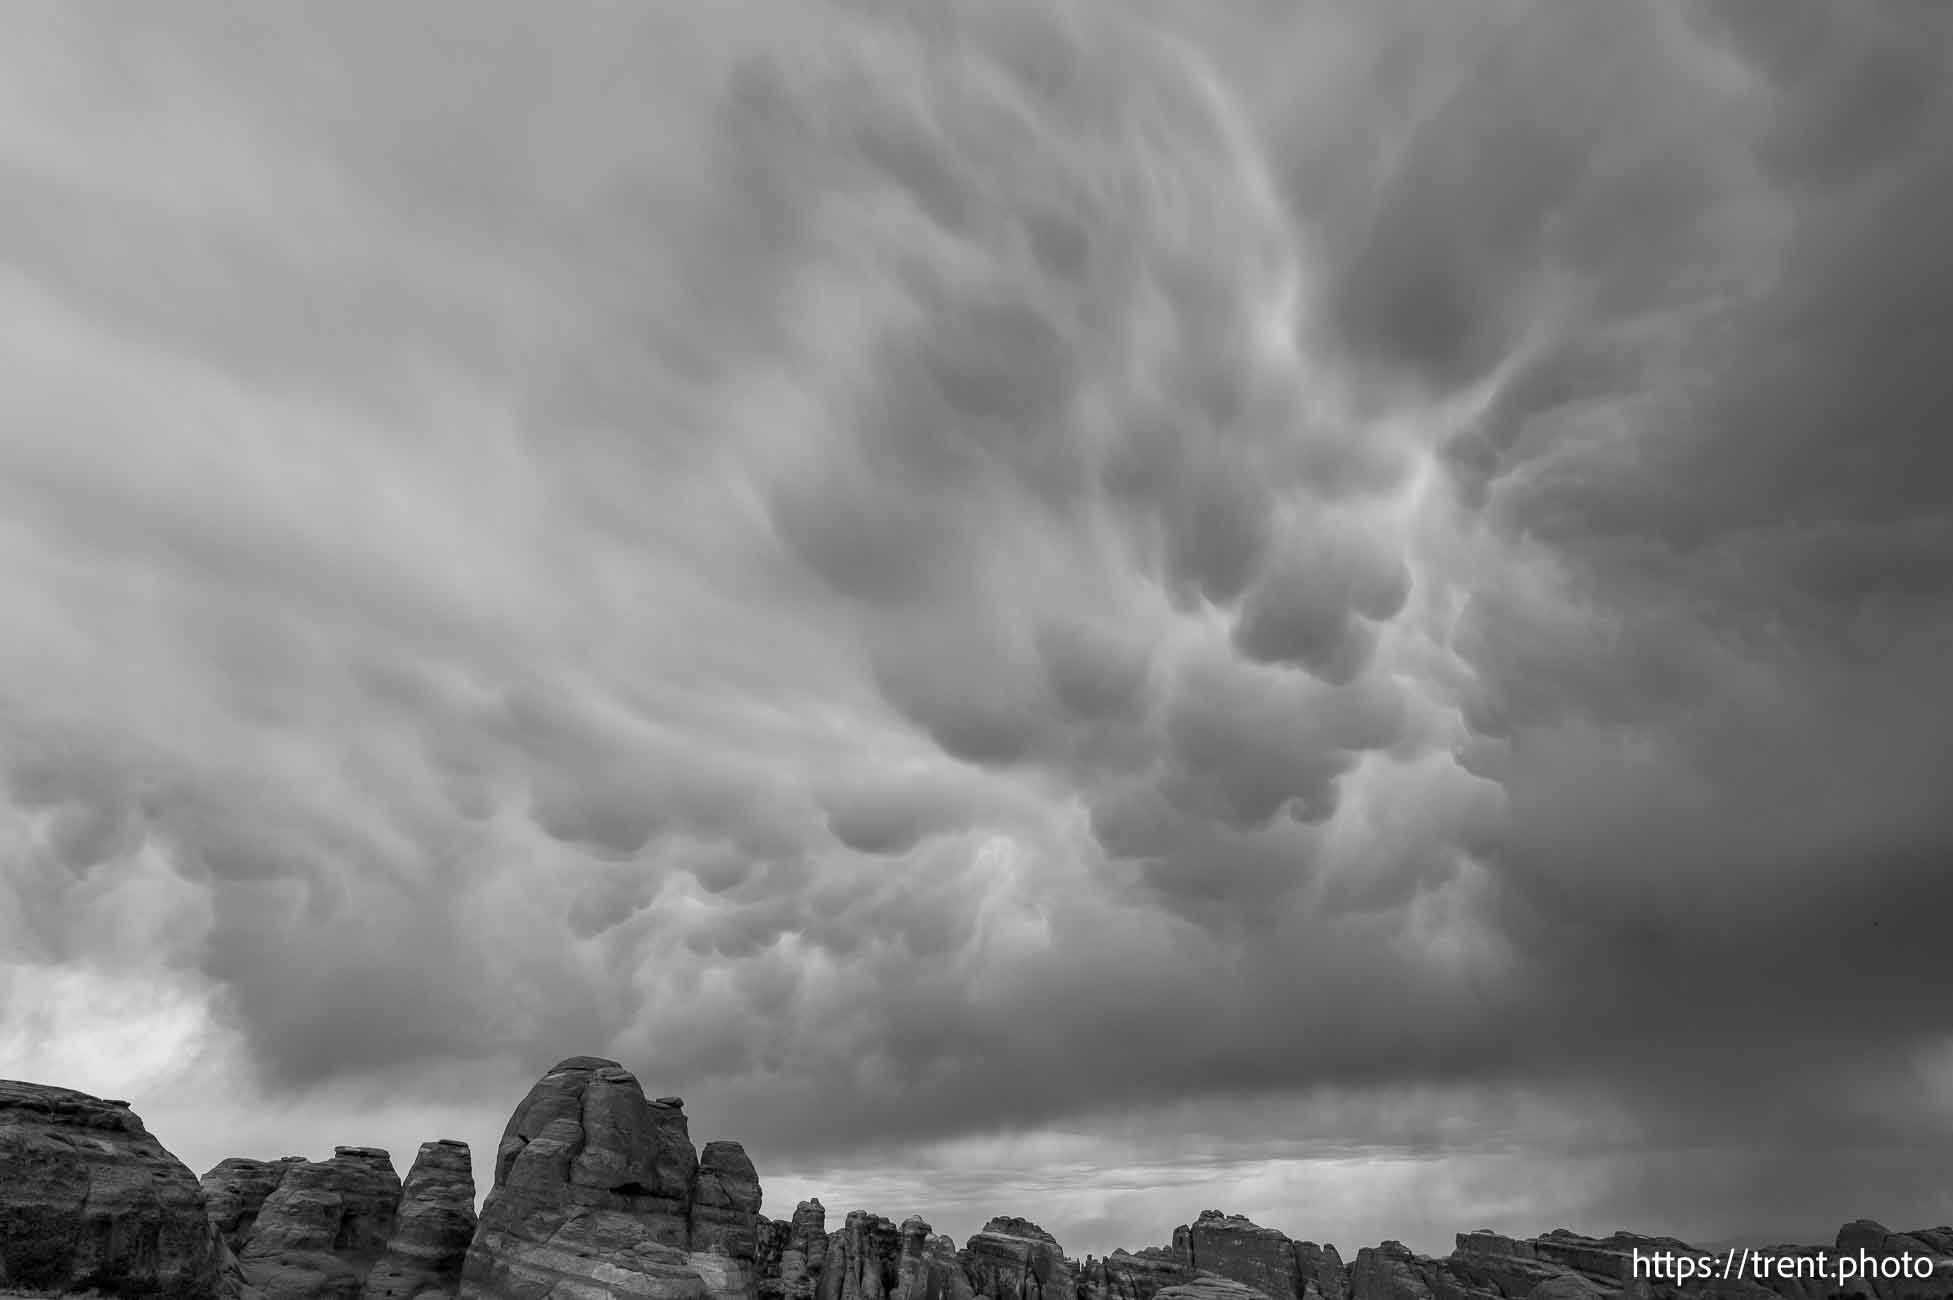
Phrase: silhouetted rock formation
[90,1201]
[432,1231]
[324,1227]
[596,1191]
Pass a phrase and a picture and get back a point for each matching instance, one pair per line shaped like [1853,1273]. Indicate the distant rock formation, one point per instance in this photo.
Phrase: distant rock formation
[1014,1259]
[599,1191]
[320,1232]
[89,1201]
[792,1253]
[432,1231]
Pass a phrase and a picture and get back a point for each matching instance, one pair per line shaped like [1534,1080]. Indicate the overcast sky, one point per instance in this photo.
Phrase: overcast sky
[1338,611]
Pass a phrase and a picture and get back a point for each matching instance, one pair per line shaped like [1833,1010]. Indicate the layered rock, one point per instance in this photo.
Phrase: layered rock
[1015,1259]
[863,1259]
[324,1227]
[431,1231]
[89,1200]
[1133,1275]
[595,1194]
[235,1190]
[724,1227]
[1210,1286]
[792,1253]
[930,1267]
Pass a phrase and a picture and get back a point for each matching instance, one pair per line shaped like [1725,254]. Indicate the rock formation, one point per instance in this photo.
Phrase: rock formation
[930,1267]
[1014,1259]
[724,1229]
[323,1228]
[595,1193]
[792,1253]
[90,1201]
[235,1190]
[600,1193]
[862,1260]
[1129,1275]
[431,1232]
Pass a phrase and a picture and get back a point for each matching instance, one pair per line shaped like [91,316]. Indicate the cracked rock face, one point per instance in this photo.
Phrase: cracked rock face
[432,1230]
[90,1201]
[234,1191]
[593,1196]
[324,1227]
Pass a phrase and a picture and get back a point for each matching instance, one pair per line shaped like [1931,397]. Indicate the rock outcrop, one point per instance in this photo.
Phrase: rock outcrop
[235,1190]
[1133,1275]
[792,1253]
[324,1227]
[930,1267]
[599,1191]
[724,1229]
[431,1231]
[863,1259]
[1015,1259]
[90,1201]
[1210,1286]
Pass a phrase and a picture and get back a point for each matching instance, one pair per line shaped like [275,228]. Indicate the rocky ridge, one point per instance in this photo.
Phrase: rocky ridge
[599,1192]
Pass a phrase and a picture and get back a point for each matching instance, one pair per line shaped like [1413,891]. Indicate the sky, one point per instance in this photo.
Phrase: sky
[1338,611]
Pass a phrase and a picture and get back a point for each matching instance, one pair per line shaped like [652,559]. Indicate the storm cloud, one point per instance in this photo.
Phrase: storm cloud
[1061,608]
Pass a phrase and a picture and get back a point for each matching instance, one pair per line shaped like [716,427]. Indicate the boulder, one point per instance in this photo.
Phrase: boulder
[432,1229]
[90,1201]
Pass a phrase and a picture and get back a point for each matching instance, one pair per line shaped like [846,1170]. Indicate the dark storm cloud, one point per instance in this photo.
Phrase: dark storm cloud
[987,567]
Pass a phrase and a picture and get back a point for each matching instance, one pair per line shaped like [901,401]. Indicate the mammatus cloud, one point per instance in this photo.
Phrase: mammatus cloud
[1345,583]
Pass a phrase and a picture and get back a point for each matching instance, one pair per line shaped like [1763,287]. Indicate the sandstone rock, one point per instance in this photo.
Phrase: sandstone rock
[862,1261]
[929,1267]
[90,1201]
[1015,1259]
[1234,1247]
[431,1232]
[725,1201]
[1572,1286]
[792,1252]
[324,1227]
[1878,1242]
[1390,1272]
[1129,1275]
[1322,1271]
[592,1195]
[235,1190]
[1211,1287]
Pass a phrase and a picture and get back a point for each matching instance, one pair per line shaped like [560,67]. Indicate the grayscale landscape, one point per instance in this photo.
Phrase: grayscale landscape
[976,649]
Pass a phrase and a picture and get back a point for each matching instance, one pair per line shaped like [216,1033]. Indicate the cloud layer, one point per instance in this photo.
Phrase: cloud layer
[1346,582]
